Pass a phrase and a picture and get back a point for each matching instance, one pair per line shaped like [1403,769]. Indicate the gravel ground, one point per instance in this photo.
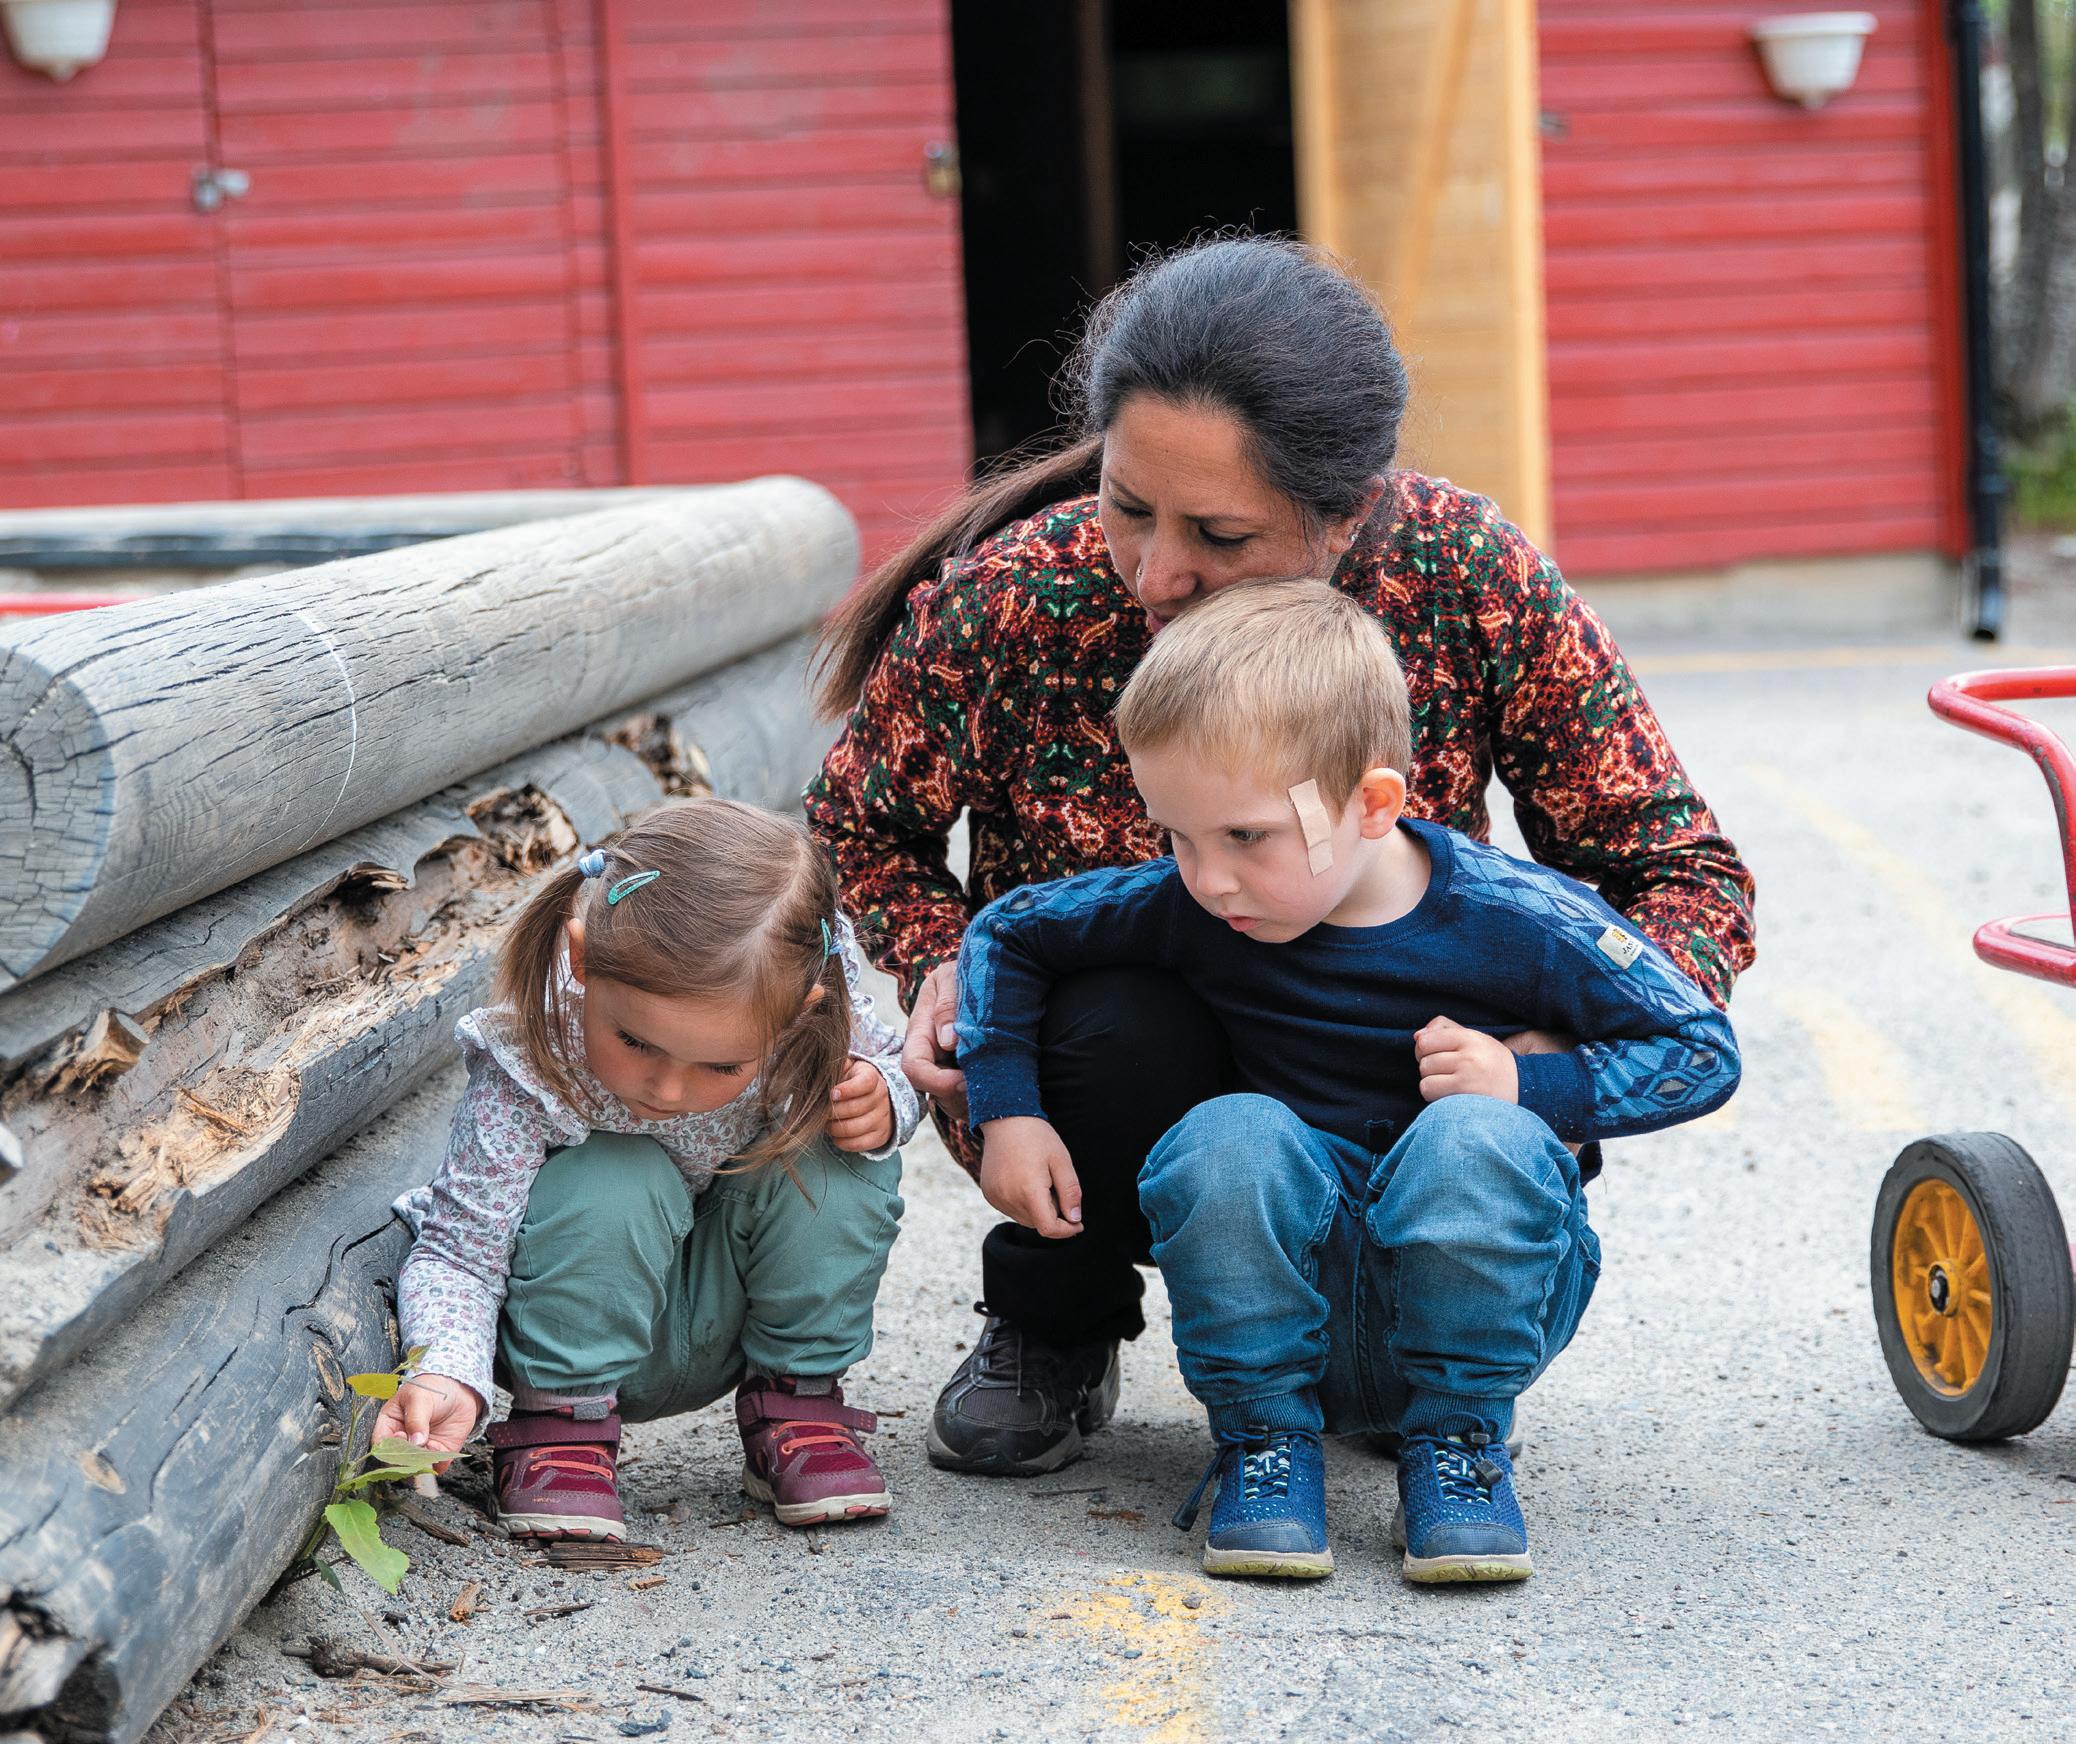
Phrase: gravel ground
[1739,1531]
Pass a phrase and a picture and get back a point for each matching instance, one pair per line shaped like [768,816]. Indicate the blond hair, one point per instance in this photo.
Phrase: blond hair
[745,909]
[1289,677]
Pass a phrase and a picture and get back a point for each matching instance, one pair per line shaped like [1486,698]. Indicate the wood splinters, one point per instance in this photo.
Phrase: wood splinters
[490,1695]
[646,1582]
[216,1117]
[464,1606]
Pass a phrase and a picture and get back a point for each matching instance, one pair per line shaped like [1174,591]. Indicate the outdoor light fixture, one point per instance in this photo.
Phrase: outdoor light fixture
[58,37]
[1810,56]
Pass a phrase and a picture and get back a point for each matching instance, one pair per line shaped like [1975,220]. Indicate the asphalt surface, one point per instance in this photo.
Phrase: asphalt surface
[1739,1530]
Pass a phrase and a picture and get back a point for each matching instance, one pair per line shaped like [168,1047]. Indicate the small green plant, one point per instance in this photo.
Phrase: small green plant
[2044,479]
[350,1515]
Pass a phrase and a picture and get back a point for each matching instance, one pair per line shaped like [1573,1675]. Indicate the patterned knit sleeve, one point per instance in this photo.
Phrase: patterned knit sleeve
[877,1043]
[906,764]
[453,1283]
[1597,788]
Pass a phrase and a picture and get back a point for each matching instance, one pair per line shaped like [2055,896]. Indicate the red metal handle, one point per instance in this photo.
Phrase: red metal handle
[1970,700]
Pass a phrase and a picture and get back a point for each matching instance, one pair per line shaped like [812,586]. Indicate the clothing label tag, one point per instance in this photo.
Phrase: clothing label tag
[1620,946]
[1312,819]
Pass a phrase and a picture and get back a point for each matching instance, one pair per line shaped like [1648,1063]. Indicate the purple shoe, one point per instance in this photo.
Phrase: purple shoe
[801,1454]
[555,1476]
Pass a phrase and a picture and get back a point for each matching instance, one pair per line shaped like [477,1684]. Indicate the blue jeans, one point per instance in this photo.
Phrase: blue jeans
[1317,1285]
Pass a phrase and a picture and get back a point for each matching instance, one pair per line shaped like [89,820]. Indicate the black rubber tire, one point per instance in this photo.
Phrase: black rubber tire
[2032,1290]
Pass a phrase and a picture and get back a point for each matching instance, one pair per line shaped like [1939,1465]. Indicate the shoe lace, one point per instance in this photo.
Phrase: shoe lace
[795,1432]
[1265,1458]
[999,1356]
[1462,1468]
[586,1461]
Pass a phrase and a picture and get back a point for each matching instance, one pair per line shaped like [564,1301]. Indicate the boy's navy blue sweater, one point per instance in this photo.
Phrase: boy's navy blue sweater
[1325,1023]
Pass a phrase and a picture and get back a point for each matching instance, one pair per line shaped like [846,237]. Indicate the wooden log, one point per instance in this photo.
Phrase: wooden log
[152,1492]
[290,531]
[274,1027]
[155,752]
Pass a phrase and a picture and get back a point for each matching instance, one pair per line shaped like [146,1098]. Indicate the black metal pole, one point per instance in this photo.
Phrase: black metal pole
[1986,483]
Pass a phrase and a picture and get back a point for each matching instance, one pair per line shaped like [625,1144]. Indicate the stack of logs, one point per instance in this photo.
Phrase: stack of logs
[257,842]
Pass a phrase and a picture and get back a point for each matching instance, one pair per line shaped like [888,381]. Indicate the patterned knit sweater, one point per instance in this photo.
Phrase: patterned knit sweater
[994,697]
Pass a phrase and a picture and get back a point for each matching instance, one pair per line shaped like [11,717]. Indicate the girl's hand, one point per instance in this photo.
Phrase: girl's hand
[861,1112]
[930,1049]
[436,1412]
[1455,1061]
[1026,1174]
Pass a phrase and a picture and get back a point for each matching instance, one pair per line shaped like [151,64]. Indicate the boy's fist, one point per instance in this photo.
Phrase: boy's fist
[1455,1061]
[1026,1174]
[435,1412]
[861,1112]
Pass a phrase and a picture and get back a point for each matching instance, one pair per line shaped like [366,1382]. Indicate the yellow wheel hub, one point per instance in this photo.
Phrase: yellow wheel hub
[1942,1282]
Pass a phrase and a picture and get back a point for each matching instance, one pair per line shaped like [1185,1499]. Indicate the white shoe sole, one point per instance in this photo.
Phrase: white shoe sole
[861,1505]
[561,1526]
[1269,1564]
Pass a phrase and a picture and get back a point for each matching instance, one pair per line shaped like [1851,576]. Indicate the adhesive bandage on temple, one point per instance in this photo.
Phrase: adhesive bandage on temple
[1318,828]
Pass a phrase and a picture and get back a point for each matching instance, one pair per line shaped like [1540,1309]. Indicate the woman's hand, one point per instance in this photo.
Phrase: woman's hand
[1026,1174]
[1455,1061]
[932,1042]
[861,1110]
[435,1412]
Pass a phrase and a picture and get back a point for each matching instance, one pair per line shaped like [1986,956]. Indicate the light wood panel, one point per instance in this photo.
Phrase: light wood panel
[1418,164]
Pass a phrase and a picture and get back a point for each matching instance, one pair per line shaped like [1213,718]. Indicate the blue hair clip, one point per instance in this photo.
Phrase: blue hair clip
[627,886]
[592,865]
[828,942]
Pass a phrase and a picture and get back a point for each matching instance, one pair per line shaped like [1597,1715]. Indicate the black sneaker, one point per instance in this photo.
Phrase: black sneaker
[1015,1407]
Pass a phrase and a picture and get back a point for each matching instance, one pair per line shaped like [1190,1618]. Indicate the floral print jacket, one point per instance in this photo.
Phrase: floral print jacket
[452,1285]
[993,698]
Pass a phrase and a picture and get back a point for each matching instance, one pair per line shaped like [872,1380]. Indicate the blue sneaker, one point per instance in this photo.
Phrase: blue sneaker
[1458,1518]
[1269,1517]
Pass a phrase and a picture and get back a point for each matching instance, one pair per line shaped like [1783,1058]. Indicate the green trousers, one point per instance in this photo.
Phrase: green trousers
[623,1284]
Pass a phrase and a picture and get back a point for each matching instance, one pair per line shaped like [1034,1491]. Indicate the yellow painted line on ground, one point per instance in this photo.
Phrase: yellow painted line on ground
[1959,658]
[2043,1030]
[1864,1071]
[1163,1692]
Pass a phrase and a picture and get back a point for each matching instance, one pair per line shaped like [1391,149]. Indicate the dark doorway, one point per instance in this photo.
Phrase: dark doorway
[1089,132]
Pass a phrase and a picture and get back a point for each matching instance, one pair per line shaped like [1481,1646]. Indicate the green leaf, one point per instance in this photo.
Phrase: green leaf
[382,1386]
[381,1474]
[414,1356]
[394,1450]
[331,1579]
[361,1538]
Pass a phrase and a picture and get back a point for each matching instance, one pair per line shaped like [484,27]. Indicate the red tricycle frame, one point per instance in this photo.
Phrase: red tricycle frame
[1970,700]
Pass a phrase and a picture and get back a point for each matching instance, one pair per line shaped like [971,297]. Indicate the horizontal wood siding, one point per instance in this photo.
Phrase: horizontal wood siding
[407,268]
[113,381]
[1748,322]
[795,286]
[421,289]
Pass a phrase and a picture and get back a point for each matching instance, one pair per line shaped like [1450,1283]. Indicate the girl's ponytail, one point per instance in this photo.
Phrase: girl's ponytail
[807,1061]
[530,983]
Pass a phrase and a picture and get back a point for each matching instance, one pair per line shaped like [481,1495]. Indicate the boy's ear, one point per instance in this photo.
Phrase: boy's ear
[1382,797]
[573,936]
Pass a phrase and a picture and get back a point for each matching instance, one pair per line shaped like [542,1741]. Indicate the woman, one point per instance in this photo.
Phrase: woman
[1238,406]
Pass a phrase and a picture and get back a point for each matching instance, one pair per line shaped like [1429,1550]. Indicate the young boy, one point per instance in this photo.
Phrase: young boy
[1384,1227]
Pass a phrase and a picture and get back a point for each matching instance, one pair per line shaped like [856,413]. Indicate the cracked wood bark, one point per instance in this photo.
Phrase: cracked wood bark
[152,1492]
[156,752]
[300,1074]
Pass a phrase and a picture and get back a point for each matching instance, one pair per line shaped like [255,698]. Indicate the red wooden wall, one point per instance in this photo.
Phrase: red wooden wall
[1751,311]
[488,244]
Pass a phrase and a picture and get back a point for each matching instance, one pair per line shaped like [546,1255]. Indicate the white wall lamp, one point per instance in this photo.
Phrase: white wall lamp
[1812,56]
[58,37]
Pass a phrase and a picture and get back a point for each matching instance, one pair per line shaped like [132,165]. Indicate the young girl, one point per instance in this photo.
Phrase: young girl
[674,1171]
